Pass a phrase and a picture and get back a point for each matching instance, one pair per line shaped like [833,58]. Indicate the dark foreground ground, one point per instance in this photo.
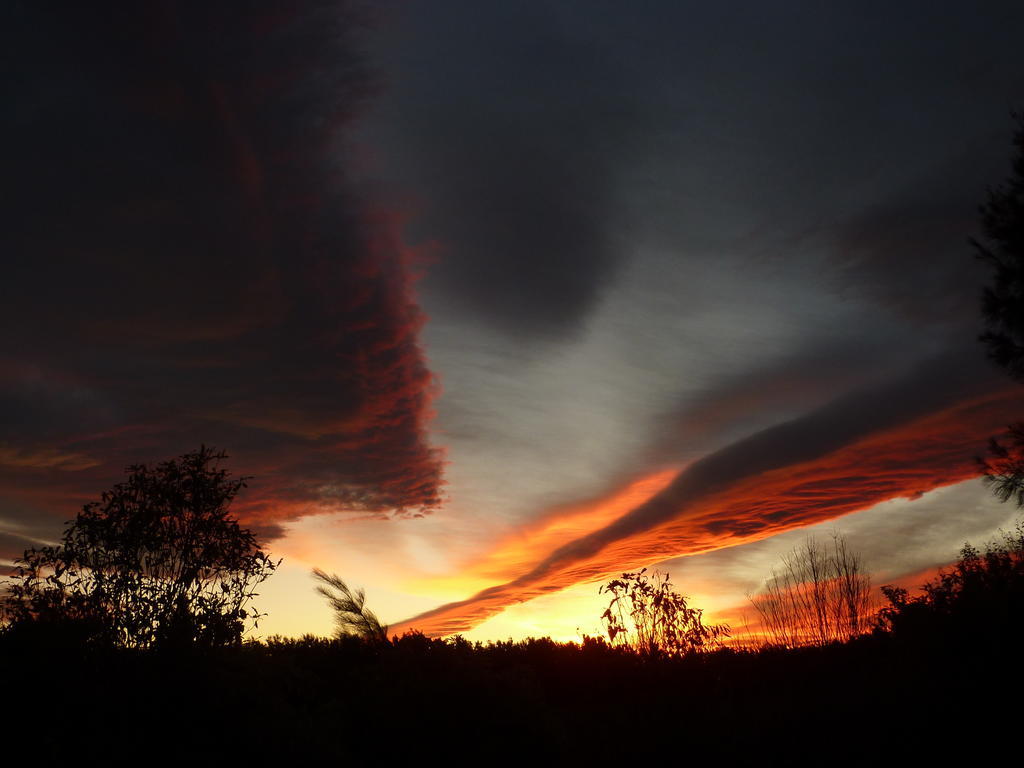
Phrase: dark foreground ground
[879,700]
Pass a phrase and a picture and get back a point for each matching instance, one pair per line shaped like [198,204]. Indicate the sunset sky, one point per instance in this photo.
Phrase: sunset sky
[494,300]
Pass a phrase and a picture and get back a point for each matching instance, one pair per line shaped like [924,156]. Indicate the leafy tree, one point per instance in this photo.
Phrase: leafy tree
[648,617]
[351,616]
[820,595]
[157,561]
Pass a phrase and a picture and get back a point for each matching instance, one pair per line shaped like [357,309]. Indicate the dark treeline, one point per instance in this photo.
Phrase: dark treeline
[345,699]
[907,694]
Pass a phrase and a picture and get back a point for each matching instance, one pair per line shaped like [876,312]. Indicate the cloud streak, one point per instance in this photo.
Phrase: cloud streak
[898,440]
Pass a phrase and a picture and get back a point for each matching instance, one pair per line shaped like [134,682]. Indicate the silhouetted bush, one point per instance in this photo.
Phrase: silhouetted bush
[646,616]
[978,601]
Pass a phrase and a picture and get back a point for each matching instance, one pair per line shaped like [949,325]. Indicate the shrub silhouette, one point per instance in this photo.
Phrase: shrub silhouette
[821,595]
[980,598]
[158,561]
[646,616]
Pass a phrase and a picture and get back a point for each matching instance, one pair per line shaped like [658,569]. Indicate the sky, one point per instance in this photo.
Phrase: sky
[495,301]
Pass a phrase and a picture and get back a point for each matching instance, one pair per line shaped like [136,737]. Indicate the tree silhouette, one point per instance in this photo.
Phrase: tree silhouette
[1002,219]
[819,596]
[648,617]
[157,561]
[1004,467]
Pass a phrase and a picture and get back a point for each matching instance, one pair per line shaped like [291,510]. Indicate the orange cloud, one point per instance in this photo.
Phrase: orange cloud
[45,458]
[914,581]
[718,503]
[563,524]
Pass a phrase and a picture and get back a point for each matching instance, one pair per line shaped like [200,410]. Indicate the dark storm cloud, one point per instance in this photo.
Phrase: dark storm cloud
[752,399]
[184,259]
[549,142]
[914,260]
[910,252]
[508,121]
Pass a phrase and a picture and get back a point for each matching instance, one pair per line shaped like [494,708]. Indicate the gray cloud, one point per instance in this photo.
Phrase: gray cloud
[909,252]
[507,120]
[742,403]
[548,142]
[12,546]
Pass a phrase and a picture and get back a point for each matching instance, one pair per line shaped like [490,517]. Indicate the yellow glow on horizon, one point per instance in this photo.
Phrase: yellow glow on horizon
[716,582]
[572,613]
[521,551]
[564,616]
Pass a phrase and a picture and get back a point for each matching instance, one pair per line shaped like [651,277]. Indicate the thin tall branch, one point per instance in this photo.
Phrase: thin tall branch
[351,615]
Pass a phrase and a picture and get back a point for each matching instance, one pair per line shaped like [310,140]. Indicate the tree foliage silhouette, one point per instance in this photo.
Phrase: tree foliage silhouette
[1003,469]
[646,616]
[157,561]
[820,595]
[1002,219]
[351,616]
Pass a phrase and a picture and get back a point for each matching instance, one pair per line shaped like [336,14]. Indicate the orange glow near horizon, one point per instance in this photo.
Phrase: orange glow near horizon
[563,524]
[551,530]
[902,462]
[571,614]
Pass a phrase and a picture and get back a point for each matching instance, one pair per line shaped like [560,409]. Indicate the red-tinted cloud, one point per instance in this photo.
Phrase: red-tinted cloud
[901,440]
[188,262]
